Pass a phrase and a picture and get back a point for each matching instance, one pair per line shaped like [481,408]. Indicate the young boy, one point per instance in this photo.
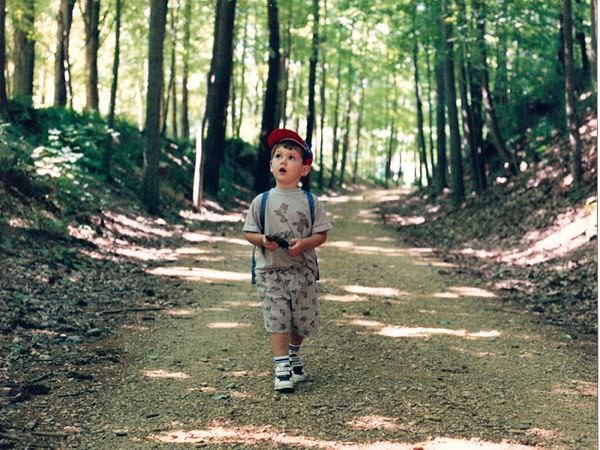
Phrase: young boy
[286,262]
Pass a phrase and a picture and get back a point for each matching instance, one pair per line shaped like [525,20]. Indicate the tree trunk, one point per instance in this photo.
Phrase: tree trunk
[269,119]
[217,96]
[390,151]
[488,103]
[92,43]
[420,132]
[580,37]
[312,75]
[594,49]
[3,97]
[456,168]
[571,102]
[430,113]
[156,35]
[336,110]
[322,99]
[61,61]
[174,19]
[442,162]
[346,139]
[361,107]
[113,90]
[185,118]
[24,51]
[238,124]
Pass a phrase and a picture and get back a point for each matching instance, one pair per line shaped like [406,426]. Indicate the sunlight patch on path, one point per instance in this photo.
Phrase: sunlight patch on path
[227,325]
[367,249]
[352,298]
[377,423]
[165,374]
[199,274]
[465,291]
[225,434]
[378,291]
[395,331]
[207,237]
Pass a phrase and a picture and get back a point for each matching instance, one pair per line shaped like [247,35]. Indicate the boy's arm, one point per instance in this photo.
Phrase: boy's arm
[260,240]
[298,246]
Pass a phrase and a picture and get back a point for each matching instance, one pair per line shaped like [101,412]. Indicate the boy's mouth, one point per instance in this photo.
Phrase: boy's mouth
[283,170]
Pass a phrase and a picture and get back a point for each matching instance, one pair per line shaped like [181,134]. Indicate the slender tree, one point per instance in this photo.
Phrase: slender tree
[312,74]
[269,116]
[61,57]
[594,33]
[156,36]
[570,100]
[359,122]
[219,80]
[442,162]
[24,50]
[91,19]
[488,103]
[346,138]
[113,90]
[336,115]
[3,97]
[238,124]
[420,132]
[458,188]
[185,119]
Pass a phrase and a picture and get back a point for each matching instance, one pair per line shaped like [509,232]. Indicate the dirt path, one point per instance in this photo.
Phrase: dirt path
[405,358]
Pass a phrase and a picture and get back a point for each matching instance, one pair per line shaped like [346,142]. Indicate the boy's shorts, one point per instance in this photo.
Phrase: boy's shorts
[289,300]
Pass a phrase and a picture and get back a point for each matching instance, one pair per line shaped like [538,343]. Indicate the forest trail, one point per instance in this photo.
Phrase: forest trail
[407,358]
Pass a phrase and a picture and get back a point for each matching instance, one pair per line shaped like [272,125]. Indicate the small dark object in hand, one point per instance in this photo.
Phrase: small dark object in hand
[281,242]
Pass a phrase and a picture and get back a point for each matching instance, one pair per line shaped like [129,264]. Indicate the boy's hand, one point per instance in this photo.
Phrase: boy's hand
[269,245]
[297,246]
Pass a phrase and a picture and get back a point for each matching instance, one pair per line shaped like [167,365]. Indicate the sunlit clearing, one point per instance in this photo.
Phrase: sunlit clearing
[199,274]
[243,304]
[351,298]
[210,216]
[165,374]
[206,237]
[375,423]
[417,332]
[247,373]
[435,263]
[397,219]
[578,387]
[465,291]
[367,249]
[543,434]
[227,325]
[17,222]
[379,291]
[137,227]
[225,434]
[180,312]
[135,327]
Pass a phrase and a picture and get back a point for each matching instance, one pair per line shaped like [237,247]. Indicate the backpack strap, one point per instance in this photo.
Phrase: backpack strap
[311,207]
[261,224]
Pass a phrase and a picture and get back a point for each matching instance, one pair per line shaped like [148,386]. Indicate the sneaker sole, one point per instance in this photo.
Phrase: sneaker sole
[286,390]
[298,378]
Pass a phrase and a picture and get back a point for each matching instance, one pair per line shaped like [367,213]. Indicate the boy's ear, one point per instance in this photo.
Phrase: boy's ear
[305,170]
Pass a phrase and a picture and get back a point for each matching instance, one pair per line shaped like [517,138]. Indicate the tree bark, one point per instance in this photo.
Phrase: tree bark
[312,75]
[594,49]
[61,58]
[3,96]
[219,80]
[571,102]
[488,103]
[174,20]
[336,142]
[456,168]
[92,43]
[359,120]
[156,35]
[442,162]
[420,133]
[113,90]
[24,51]
[269,119]
[185,118]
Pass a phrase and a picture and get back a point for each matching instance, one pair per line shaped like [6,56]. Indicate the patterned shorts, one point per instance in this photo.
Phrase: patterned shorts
[289,300]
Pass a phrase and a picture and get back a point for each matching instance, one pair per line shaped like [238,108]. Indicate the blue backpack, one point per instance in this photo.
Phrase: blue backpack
[261,221]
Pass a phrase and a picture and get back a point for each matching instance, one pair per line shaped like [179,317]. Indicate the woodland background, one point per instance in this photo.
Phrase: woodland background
[120,117]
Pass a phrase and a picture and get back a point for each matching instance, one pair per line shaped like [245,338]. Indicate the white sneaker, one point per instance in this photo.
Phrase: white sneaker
[283,378]
[298,374]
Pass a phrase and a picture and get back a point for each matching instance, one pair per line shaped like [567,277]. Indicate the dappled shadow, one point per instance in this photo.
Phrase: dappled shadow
[396,331]
[223,433]
[199,274]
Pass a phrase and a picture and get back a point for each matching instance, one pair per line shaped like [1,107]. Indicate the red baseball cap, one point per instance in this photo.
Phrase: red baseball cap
[282,135]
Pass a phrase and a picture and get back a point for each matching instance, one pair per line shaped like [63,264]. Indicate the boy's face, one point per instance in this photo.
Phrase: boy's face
[287,165]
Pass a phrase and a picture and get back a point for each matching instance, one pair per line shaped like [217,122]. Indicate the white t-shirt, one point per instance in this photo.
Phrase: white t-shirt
[287,215]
